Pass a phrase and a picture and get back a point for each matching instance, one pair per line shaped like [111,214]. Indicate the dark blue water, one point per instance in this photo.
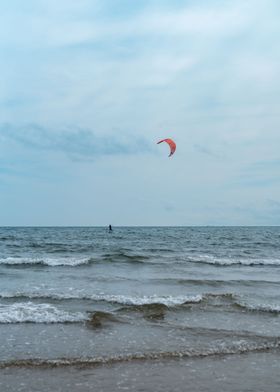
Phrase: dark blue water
[90,296]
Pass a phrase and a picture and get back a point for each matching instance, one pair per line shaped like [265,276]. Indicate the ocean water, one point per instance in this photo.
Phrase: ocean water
[140,308]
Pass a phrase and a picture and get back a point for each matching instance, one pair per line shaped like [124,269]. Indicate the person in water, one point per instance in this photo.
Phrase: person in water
[110,228]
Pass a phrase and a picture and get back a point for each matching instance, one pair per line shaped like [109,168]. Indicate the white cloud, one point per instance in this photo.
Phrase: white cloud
[62,24]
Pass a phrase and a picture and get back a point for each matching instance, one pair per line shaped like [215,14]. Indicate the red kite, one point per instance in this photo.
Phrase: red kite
[171,143]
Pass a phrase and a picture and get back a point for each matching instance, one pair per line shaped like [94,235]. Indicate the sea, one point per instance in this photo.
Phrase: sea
[140,309]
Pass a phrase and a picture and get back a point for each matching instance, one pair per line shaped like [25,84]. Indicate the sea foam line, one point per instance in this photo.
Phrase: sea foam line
[25,312]
[77,261]
[51,262]
[169,301]
[111,298]
[222,261]
[234,349]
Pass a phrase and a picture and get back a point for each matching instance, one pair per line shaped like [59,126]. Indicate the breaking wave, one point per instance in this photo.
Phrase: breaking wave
[220,261]
[99,318]
[266,308]
[134,258]
[169,301]
[51,262]
[28,312]
[72,261]
[138,302]
[118,299]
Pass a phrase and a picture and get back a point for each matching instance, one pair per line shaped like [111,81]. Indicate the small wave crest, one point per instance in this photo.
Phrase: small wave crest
[99,319]
[222,261]
[124,256]
[155,311]
[8,238]
[51,262]
[237,348]
[239,302]
[153,304]
[111,298]
[28,312]
[234,300]
[72,261]
[266,308]
[168,301]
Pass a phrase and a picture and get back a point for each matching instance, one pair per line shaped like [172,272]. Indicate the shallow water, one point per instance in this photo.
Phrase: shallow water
[249,372]
[88,297]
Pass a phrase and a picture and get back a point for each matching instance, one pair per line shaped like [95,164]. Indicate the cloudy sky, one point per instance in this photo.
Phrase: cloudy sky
[88,87]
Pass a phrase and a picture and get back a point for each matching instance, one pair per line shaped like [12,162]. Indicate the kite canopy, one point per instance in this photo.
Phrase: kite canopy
[171,144]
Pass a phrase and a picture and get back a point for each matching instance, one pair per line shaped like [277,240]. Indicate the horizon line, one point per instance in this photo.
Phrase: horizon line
[124,226]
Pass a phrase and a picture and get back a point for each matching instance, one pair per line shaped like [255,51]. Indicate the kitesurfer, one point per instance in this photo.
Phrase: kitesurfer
[110,228]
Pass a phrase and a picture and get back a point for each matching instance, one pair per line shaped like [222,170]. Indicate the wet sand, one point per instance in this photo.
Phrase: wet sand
[233,373]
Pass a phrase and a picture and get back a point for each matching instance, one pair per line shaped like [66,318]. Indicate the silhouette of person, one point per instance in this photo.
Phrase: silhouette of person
[110,228]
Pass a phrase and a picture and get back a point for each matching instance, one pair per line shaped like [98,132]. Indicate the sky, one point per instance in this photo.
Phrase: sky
[88,87]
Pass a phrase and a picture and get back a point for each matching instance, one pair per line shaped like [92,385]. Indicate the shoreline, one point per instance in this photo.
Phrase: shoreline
[232,373]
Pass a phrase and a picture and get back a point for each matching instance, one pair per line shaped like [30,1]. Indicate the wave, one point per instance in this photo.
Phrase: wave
[8,238]
[51,262]
[266,308]
[169,301]
[238,348]
[124,256]
[22,312]
[154,304]
[99,319]
[208,297]
[28,312]
[53,247]
[155,311]
[111,298]
[131,258]
[237,301]
[219,261]
[72,261]
[217,282]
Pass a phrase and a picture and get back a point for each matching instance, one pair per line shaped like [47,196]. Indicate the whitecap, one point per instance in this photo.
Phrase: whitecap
[36,313]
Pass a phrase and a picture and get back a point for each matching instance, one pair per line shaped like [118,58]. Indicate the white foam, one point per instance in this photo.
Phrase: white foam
[47,294]
[210,259]
[52,262]
[36,313]
[115,298]
[270,308]
[148,300]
